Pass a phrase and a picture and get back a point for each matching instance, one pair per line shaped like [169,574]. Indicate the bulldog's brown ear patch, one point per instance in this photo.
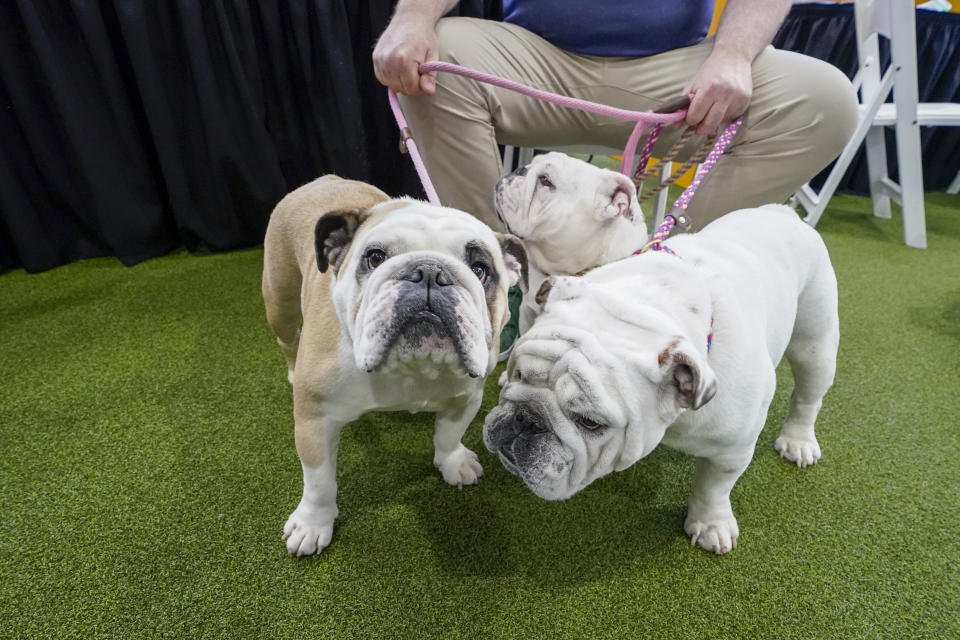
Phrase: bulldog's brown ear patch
[544,292]
[515,257]
[333,234]
[690,379]
[664,355]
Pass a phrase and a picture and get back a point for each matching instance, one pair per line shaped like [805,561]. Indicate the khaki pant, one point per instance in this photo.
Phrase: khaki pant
[801,114]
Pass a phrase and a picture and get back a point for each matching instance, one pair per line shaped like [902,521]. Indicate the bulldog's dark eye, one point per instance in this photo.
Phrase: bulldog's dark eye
[545,181]
[481,270]
[587,423]
[375,258]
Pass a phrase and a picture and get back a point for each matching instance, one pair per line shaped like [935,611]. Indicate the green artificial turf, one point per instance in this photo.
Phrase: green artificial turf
[147,466]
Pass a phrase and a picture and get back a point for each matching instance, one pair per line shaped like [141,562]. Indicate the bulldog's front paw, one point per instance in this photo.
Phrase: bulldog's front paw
[459,467]
[306,534]
[804,451]
[718,535]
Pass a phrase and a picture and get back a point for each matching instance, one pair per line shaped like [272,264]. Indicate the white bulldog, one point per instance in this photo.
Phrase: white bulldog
[570,215]
[402,304]
[621,360]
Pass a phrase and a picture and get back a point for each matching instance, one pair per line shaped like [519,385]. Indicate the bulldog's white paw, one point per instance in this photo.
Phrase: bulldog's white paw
[717,535]
[290,376]
[502,380]
[460,467]
[803,451]
[307,535]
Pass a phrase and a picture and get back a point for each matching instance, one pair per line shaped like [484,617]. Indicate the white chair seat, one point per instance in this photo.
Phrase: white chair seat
[929,114]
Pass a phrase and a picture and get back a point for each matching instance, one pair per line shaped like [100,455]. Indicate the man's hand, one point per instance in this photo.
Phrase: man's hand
[409,40]
[721,90]
[723,85]
[399,52]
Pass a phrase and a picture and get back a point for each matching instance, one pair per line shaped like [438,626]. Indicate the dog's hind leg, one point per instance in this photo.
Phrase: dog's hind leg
[281,299]
[812,355]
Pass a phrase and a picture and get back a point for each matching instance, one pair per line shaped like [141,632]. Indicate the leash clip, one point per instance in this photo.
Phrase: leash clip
[682,223]
[405,134]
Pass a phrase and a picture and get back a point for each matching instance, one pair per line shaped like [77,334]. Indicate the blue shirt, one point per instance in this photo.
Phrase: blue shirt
[632,28]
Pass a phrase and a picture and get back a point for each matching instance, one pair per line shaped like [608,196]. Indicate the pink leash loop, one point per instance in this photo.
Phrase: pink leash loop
[642,118]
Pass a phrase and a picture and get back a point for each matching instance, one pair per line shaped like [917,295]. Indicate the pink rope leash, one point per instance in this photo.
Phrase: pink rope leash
[641,171]
[642,118]
[656,243]
[721,145]
[407,145]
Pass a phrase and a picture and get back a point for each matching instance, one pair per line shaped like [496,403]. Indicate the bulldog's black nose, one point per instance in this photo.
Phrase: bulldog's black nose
[518,436]
[429,274]
[522,422]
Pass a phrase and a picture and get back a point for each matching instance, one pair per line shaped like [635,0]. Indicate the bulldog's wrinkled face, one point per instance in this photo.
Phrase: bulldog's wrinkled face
[417,286]
[592,388]
[565,210]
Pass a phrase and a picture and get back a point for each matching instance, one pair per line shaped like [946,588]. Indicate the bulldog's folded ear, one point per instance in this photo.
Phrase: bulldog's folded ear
[515,259]
[687,378]
[560,288]
[618,197]
[333,234]
[544,292]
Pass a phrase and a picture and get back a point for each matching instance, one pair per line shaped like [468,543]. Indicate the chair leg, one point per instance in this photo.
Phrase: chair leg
[954,187]
[507,159]
[876,149]
[868,52]
[903,53]
[660,201]
[911,183]
[526,155]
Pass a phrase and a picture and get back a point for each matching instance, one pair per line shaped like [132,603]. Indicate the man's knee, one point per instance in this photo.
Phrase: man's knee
[831,106]
[810,103]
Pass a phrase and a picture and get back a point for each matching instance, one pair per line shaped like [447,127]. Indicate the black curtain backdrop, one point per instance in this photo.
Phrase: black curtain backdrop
[135,127]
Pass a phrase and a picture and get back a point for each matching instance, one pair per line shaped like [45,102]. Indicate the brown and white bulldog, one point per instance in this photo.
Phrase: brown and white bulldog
[402,304]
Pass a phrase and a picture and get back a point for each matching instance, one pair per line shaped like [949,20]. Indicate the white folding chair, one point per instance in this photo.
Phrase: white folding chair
[895,19]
